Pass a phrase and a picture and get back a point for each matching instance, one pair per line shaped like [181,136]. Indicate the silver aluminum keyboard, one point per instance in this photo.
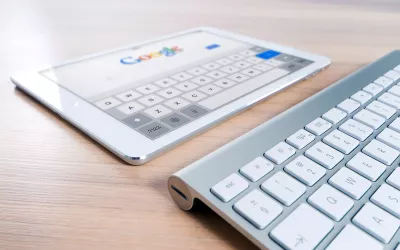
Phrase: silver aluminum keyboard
[322,175]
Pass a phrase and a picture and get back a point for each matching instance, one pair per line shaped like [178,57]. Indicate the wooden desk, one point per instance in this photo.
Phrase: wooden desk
[60,190]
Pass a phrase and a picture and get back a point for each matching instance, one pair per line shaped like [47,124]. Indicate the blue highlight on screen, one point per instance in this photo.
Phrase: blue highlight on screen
[268,54]
[213,46]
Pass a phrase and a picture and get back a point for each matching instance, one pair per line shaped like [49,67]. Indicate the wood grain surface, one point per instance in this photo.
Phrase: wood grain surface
[61,190]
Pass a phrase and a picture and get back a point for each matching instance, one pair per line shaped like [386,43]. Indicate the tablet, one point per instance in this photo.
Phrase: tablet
[142,99]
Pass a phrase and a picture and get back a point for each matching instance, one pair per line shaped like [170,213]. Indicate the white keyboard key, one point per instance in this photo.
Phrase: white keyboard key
[384,81]
[394,75]
[169,92]
[256,169]
[388,198]
[242,64]
[229,69]
[356,129]
[340,141]
[176,103]
[254,60]
[157,111]
[361,97]
[300,139]
[108,103]
[334,115]
[381,152]
[318,126]
[263,67]
[394,178]
[391,100]
[397,68]
[166,82]
[377,222]
[130,108]
[150,100]
[237,77]
[350,183]
[128,96]
[186,86]
[202,80]
[197,71]
[273,62]
[381,109]
[230,187]
[349,105]
[236,57]
[366,166]
[395,90]
[250,72]
[225,83]
[303,229]
[370,119]
[258,208]
[247,53]
[194,96]
[183,76]
[395,125]
[211,66]
[283,188]
[373,89]
[147,89]
[242,89]
[351,238]
[324,155]
[390,137]
[224,61]
[210,89]
[215,74]
[280,152]
[305,170]
[331,202]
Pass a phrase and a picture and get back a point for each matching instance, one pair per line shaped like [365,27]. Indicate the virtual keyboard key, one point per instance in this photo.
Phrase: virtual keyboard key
[194,111]
[154,130]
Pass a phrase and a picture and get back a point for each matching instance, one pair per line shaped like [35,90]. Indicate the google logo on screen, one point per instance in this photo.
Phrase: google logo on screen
[129,60]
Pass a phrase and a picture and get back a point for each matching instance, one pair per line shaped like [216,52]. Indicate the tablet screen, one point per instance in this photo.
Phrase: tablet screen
[143,84]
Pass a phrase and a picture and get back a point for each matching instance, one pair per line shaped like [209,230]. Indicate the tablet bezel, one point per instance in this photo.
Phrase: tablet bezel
[131,146]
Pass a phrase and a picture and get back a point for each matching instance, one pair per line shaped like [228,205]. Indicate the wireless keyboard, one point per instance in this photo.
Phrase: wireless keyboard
[322,175]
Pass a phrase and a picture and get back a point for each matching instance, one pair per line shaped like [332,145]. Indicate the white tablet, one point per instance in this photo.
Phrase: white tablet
[140,100]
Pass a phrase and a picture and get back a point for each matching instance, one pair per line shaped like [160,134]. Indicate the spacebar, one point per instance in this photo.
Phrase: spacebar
[242,88]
